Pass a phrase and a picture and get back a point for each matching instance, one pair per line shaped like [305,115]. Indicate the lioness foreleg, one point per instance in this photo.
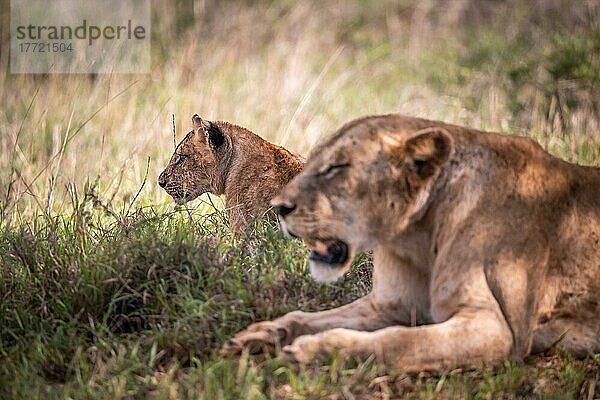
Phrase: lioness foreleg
[363,314]
[469,338]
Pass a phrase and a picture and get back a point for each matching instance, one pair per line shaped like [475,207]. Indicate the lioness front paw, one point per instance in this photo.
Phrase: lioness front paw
[259,337]
[305,349]
[343,342]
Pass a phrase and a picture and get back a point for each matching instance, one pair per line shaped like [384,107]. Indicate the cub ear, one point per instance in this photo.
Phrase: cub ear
[199,122]
[426,150]
[215,136]
[213,133]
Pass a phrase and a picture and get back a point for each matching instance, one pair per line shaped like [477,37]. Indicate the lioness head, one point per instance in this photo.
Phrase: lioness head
[362,187]
[198,164]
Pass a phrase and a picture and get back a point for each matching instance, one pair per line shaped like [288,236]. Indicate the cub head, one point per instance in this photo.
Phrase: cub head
[199,163]
[362,188]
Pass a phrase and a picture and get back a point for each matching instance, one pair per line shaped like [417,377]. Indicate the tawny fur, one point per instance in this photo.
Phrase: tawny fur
[226,159]
[488,241]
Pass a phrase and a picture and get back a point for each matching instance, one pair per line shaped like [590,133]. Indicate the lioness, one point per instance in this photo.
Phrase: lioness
[491,241]
[223,158]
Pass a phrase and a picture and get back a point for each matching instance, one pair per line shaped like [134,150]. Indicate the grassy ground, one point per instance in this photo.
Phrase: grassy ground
[138,307]
[109,291]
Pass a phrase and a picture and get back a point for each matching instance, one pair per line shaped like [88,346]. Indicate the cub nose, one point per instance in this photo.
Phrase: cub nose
[285,209]
[162,182]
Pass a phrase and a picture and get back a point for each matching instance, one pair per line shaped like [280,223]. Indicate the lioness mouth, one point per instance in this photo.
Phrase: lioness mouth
[332,252]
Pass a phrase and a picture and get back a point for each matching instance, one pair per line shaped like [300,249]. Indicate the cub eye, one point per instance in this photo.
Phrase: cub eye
[332,170]
[180,157]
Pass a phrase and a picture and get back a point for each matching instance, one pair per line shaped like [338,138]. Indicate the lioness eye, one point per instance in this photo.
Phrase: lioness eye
[332,169]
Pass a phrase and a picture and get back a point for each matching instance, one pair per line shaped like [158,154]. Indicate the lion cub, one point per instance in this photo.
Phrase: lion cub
[225,159]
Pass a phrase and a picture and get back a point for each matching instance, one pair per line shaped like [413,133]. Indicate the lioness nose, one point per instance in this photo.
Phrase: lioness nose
[285,209]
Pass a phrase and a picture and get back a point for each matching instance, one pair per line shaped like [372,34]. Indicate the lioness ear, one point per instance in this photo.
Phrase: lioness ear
[214,135]
[429,149]
[426,150]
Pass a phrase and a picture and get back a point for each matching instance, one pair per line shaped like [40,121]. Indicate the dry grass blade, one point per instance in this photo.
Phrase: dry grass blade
[137,194]
[16,142]
[174,135]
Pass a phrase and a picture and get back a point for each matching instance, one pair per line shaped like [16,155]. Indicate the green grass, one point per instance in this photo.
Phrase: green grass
[108,291]
[100,307]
